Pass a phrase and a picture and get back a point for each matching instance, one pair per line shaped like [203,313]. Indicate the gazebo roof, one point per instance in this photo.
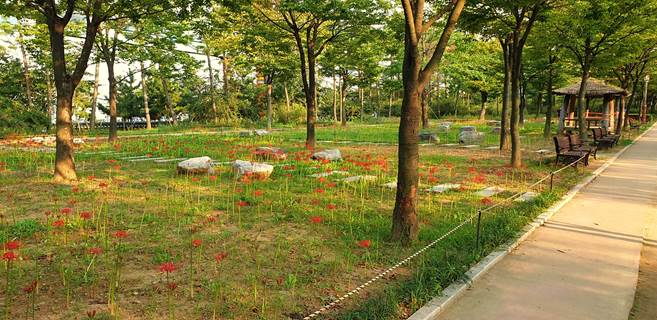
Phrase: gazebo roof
[594,89]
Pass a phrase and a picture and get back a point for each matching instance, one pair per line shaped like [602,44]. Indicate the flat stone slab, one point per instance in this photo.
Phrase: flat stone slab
[492,148]
[146,159]
[489,192]
[365,178]
[200,165]
[543,151]
[328,174]
[168,160]
[328,155]
[134,157]
[450,144]
[471,146]
[527,196]
[260,171]
[444,187]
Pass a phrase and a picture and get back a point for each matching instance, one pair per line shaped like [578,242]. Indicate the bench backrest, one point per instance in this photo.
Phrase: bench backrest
[575,140]
[597,133]
[604,131]
[561,144]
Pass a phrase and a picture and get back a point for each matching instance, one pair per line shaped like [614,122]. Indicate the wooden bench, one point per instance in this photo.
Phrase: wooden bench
[634,124]
[566,155]
[576,144]
[607,134]
[601,141]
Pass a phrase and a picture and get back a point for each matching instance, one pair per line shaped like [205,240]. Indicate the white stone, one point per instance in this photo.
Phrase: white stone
[450,144]
[365,178]
[489,192]
[261,132]
[527,196]
[444,187]
[200,165]
[471,146]
[330,155]
[429,137]
[78,141]
[258,170]
[468,129]
[444,127]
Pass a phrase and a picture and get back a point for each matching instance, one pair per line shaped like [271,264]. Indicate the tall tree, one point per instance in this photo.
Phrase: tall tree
[313,26]
[415,77]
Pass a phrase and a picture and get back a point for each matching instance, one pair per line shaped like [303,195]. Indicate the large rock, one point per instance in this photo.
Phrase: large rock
[429,137]
[269,153]
[328,155]
[261,132]
[255,170]
[200,165]
[444,127]
[365,178]
[246,133]
[471,137]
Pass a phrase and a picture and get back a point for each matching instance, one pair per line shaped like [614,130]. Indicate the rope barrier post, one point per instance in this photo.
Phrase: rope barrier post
[478,229]
[551,180]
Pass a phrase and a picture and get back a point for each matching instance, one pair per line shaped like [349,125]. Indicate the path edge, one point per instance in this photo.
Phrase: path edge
[432,309]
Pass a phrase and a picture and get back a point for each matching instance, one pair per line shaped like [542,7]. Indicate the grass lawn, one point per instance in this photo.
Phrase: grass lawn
[136,240]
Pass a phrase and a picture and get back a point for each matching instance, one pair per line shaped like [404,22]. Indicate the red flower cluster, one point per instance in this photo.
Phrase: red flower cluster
[167,267]
[331,206]
[9,256]
[242,203]
[13,245]
[95,251]
[66,211]
[316,219]
[220,256]
[196,243]
[85,215]
[58,223]
[487,201]
[364,243]
[120,234]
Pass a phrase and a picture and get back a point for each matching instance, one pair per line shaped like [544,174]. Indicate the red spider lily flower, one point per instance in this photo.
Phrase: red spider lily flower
[120,234]
[449,166]
[58,223]
[321,179]
[242,203]
[196,243]
[167,267]
[258,193]
[479,178]
[462,188]
[331,185]
[95,251]
[9,256]
[148,155]
[499,173]
[319,190]
[433,169]
[85,215]
[66,211]
[472,170]
[220,256]
[487,201]
[314,202]
[364,243]
[195,179]
[212,178]
[13,245]
[172,286]
[433,179]
[48,213]
[316,219]
[103,184]
[91,178]
[117,167]
[325,161]
[75,189]
[331,206]
[30,288]
[111,161]
[72,202]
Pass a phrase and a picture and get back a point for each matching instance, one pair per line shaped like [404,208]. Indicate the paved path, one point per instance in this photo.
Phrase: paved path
[583,263]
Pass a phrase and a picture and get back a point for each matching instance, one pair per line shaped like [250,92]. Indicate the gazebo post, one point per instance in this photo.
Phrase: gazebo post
[571,111]
[612,113]
[605,111]
[562,113]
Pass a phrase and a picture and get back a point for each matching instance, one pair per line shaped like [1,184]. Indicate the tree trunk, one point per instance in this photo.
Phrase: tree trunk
[64,163]
[343,95]
[621,115]
[516,74]
[425,110]
[404,218]
[94,97]
[335,101]
[49,95]
[484,100]
[213,103]
[225,71]
[269,108]
[287,97]
[113,130]
[539,102]
[547,129]
[390,106]
[361,94]
[523,99]
[506,95]
[144,88]
[581,102]
[26,67]
[169,102]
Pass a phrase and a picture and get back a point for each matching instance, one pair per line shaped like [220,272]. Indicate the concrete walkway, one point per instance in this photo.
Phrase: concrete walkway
[583,264]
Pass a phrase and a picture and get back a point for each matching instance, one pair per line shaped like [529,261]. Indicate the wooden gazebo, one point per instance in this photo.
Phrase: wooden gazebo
[568,116]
